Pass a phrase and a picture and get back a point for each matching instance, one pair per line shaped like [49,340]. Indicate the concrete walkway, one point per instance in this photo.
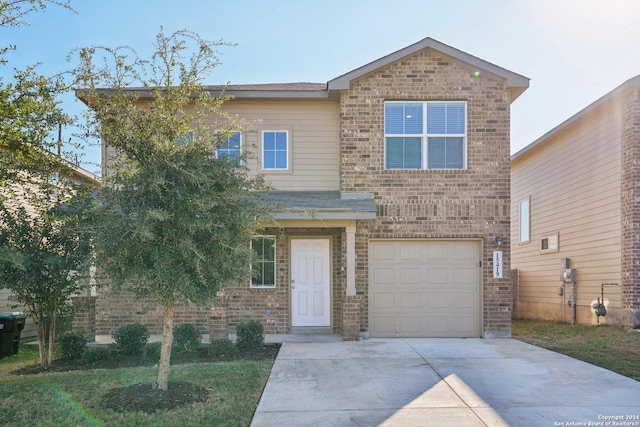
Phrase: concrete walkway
[440,382]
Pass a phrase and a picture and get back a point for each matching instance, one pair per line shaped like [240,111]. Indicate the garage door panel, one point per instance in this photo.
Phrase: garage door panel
[437,275]
[384,325]
[384,300]
[425,288]
[411,300]
[437,300]
[410,276]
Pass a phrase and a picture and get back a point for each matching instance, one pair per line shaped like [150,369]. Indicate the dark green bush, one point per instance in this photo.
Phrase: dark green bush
[72,344]
[222,347]
[249,335]
[96,354]
[151,352]
[130,339]
[186,339]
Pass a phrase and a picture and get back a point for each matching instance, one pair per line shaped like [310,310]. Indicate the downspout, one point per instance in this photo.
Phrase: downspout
[573,299]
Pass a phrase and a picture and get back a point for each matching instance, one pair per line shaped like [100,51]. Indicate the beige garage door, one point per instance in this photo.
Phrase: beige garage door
[420,288]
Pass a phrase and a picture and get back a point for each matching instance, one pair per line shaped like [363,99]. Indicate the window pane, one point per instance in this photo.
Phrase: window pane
[403,118]
[269,160]
[403,153]
[281,159]
[281,141]
[269,141]
[455,118]
[393,118]
[445,153]
[436,118]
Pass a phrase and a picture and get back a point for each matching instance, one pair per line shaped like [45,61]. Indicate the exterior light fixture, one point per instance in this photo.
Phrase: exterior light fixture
[499,241]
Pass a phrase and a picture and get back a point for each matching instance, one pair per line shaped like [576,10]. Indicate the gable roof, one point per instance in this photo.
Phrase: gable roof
[516,83]
[612,96]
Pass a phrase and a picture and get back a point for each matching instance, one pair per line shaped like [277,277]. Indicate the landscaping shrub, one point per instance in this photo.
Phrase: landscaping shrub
[72,344]
[249,335]
[130,339]
[151,352]
[186,338]
[96,354]
[222,347]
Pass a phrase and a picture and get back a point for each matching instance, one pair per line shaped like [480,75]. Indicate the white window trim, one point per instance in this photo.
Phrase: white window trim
[275,258]
[425,136]
[288,134]
[520,229]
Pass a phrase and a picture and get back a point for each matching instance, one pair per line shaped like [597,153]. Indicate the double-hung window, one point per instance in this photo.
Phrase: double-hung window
[425,135]
[231,148]
[263,270]
[275,150]
[186,138]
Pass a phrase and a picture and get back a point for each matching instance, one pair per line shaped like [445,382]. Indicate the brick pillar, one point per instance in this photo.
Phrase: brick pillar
[630,207]
[351,318]
[85,316]
[218,319]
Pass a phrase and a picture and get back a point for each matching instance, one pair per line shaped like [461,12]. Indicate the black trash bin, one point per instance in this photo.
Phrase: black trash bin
[11,324]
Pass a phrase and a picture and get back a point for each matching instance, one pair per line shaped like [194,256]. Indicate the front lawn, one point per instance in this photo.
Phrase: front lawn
[612,347]
[81,397]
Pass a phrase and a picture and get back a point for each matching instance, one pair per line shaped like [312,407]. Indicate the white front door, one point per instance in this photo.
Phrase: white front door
[310,282]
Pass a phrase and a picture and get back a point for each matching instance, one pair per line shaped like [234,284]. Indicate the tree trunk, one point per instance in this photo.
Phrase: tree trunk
[52,337]
[40,333]
[165,349]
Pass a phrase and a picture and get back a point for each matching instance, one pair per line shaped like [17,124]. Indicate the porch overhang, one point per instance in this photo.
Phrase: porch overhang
[327,209]
[322,205]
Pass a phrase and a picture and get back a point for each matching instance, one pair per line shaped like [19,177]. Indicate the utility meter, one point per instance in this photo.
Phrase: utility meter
[567,274]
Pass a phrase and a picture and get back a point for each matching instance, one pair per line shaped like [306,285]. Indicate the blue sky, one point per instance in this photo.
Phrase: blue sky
[574,51]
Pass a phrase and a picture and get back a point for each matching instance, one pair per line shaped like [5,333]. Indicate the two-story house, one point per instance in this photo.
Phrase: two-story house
[575,197]
[397,181]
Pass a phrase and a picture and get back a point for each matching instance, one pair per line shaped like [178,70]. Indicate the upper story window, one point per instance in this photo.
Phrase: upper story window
[231,149]
[188,137]
[275,150]
[264,270]
[525,223]
[425,135]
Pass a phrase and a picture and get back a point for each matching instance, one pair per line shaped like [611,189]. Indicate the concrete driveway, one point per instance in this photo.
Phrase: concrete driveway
[441,382]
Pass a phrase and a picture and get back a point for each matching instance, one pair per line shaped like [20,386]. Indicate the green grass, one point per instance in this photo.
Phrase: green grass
[612,347]
[74,398]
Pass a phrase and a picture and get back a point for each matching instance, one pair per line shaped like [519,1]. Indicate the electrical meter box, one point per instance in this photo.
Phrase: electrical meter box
[567,274]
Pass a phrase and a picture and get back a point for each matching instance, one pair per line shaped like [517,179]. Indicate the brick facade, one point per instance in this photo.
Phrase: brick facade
[465,204]
[630,209]
[272,306]
[118,308]
[471,203]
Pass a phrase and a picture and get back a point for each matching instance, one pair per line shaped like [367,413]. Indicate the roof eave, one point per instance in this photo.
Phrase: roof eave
[633,82]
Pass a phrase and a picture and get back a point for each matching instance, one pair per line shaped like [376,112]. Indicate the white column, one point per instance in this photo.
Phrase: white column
[351,260]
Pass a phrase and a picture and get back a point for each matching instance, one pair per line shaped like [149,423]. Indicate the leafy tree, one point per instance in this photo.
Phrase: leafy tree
[40,245]
[29,112]
[172,221]
[42,256]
